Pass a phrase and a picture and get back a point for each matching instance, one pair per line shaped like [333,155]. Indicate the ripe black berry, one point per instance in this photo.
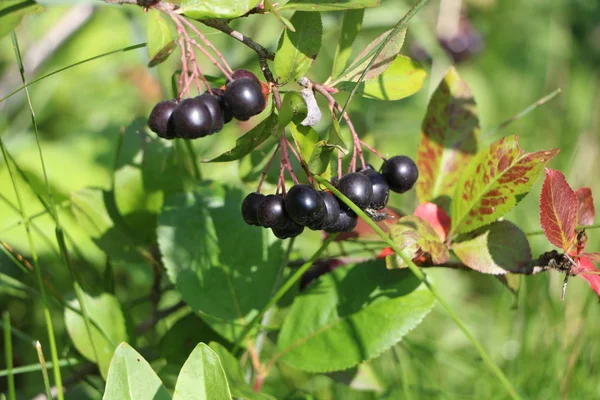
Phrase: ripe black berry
[381,190]
[159,119]
[332,208]
[244,98]
[304,205]
[287,229]
[191,119]
[271,211]
[357,187]
[218,94]
[346,221]
[242,73]
[366,168]
[213,107]
[250,208]
[401,173]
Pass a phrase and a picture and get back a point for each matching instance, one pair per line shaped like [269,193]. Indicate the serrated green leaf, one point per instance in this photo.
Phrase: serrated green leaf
[351,315]
[202,377]
[412,234]
[269,8]
[382,62]
[320,157]
[448,141]
[493,182]
[130,377]
[235,376]
[221,266]
[351,24]
[403,78]
[328,5]
[496,249]
[13,11]
[305,138]
[335,136]
[160,38]
[292,105]
[105,311]
[297,50]
[245,144]
[206,9]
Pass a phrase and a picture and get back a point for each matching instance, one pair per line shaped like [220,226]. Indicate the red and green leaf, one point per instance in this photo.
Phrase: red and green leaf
[496,249]
[558,210]
[585,207]
[495,180]
[588,271]
[415,235]
[437,218]
[449,137]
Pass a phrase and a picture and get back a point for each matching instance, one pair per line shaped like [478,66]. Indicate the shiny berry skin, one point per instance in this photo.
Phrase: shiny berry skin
[358,188]
[332,212]
[287,229]
[244,98]
[400,172]
[242,73]
[346,221]
[213,107]
[250,208]
[366,168]
[159,119]
[304,204]
[271,211]
[381,189]
[191,119]
[218,94]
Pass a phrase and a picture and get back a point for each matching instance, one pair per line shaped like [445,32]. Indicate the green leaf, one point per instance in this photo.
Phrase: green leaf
[305,138]
[351,315]
[130,377]
[449,139]
[105,311]
[320,157]
[402,79]
[495,180]
[269,8]
[335,136]
[220,265]
[351,25]
[413,235]
[160,38]
[206,9]
[496,249]
[13,11]
[245,144]
[235,375]
[292,107]
[297,50]
[202,377]
[328,5]
[381,63]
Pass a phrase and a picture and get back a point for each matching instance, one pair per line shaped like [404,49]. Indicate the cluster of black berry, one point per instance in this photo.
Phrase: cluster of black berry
[304,206]
[206,114]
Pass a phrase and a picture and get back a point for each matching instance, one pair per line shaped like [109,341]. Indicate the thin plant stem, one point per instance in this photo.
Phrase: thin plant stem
[419,274]
[44,369]
[300,160]
[36,367]
[8,356]
[266,170]
[589,227]
[282,291]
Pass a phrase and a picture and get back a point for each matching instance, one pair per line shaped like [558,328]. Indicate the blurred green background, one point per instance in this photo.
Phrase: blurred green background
[547,347]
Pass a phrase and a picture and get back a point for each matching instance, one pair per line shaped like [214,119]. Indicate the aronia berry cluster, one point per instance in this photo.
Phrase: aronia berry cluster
[304,206]
[206,114]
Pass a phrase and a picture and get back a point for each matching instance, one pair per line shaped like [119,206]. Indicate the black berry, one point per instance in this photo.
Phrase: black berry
[244,98]
[304,205]
[381,190]
[191,119]
[332,212]
[218,94]
[159,119]
[401,173]
[357,187]
[366,168]
[250,208]
[271,211]
[346,221]
[287,229]
[242,73]
[213,107]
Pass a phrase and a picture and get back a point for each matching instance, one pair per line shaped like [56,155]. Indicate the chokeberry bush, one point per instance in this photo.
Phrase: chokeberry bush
[298,199]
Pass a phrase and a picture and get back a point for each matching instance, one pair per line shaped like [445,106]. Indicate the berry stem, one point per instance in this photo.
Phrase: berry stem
[266,170]
[285,158]
[372,150]
[339,164]
[183,78]
[302,163]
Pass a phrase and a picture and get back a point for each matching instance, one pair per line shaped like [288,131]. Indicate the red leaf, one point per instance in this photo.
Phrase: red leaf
[586,265]
[595,257]
[558,210]
[585,206]
[437,218]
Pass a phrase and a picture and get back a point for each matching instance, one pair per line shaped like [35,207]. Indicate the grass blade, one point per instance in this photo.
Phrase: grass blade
[70,362]
[44,368]
[8,355]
